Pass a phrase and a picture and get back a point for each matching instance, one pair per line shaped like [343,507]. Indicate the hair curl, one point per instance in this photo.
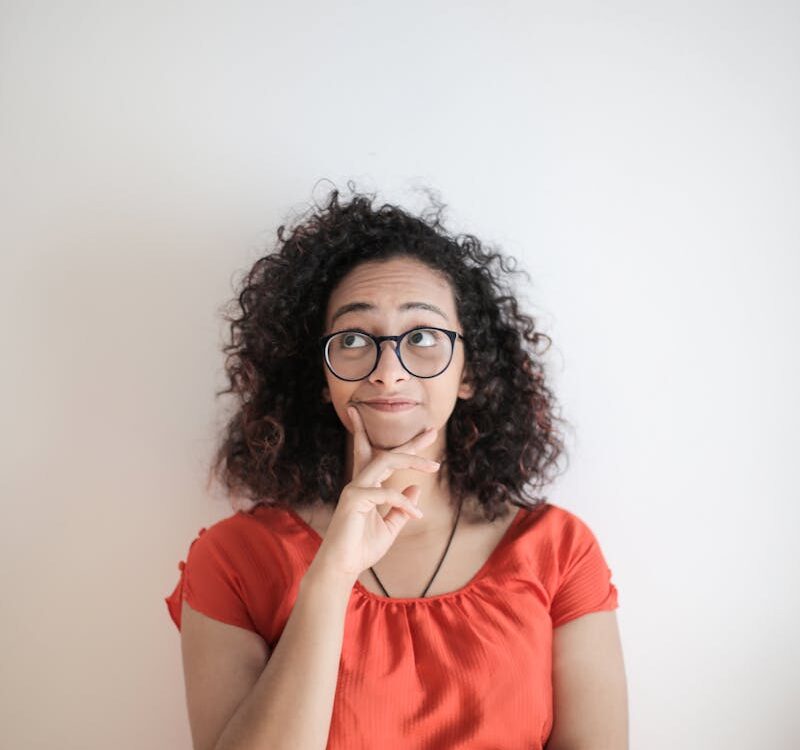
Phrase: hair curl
[284,446]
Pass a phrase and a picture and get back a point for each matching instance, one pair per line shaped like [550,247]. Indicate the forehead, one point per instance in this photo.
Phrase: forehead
[389,284]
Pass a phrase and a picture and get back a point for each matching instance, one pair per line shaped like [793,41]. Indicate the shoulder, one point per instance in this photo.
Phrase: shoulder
[559,516]
[564,553]
[572,536]
[241,540]
[242,525]
[238,570]
[554,524]
[560,525]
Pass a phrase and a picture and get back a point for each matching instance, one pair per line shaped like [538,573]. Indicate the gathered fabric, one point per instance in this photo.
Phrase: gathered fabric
[471,668]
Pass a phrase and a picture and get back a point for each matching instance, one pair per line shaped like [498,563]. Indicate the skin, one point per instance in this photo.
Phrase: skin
[590,691]
[387,285]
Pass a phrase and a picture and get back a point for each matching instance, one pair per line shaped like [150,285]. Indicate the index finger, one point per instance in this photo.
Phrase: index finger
[362,448]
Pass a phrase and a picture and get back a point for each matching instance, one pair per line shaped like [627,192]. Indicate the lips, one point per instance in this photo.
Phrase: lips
[389,401]
[389,406]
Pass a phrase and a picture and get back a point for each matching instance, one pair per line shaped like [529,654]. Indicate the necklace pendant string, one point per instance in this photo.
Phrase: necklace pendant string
[441,559]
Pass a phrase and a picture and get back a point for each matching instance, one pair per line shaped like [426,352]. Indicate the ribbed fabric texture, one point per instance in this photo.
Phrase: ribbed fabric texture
[468,669]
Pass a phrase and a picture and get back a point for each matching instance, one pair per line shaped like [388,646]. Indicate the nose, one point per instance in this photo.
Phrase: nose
[388,369]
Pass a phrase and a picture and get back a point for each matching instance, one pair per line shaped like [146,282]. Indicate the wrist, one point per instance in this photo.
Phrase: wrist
[330,578]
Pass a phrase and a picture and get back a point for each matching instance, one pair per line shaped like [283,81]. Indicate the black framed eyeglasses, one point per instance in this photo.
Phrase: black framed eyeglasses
[424,352]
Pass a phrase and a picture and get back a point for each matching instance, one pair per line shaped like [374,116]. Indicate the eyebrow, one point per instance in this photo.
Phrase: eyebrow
[368,307]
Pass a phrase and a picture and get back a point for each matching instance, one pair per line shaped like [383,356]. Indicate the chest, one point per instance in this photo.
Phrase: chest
[407,568]
[406,572]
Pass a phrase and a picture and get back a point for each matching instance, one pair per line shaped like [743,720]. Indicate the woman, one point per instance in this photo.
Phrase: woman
[395,583]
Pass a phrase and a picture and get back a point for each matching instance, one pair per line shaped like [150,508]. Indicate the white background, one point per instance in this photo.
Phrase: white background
[640,159]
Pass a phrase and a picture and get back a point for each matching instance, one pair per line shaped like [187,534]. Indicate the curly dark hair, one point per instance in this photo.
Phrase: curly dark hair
[284,446]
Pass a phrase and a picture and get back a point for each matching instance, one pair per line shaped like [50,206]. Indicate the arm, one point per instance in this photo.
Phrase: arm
[288,704]
[590,702]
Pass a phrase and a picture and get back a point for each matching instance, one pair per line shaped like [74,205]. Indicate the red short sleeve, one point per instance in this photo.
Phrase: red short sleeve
[210,584]
[585,579]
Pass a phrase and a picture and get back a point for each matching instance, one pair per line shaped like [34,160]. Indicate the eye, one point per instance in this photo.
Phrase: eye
[344,340]
[425,337]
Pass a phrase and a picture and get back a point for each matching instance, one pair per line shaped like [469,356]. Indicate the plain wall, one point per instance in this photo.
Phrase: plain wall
[641,161]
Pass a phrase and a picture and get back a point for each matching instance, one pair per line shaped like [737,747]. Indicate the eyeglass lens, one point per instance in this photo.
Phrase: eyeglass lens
[424,351]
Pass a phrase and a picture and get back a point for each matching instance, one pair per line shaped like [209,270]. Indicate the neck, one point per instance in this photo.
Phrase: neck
[435,501]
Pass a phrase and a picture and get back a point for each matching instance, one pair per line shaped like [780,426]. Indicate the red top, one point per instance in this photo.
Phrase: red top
[466,669]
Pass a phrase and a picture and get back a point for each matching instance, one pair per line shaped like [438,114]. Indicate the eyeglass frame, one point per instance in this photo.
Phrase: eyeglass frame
[378,340]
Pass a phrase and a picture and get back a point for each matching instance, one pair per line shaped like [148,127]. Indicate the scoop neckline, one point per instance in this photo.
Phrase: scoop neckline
[481,572]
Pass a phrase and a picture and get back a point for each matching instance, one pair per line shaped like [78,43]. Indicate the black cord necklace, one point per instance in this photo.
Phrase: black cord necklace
[452,533]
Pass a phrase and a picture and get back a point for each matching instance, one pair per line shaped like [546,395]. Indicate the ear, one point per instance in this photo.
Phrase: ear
[466,388]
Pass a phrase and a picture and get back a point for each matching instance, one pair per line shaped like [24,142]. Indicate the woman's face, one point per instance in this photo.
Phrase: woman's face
[381,289]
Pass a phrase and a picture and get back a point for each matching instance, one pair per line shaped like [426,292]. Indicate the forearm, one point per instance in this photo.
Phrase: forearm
[291,704]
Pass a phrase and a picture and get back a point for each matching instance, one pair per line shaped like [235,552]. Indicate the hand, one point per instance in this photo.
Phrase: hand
[357,536]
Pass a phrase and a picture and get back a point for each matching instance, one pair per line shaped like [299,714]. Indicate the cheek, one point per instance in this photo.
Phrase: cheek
[340,393]
[442,394]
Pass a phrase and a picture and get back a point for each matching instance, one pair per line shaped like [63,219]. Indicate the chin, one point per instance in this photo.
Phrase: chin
[387,436]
